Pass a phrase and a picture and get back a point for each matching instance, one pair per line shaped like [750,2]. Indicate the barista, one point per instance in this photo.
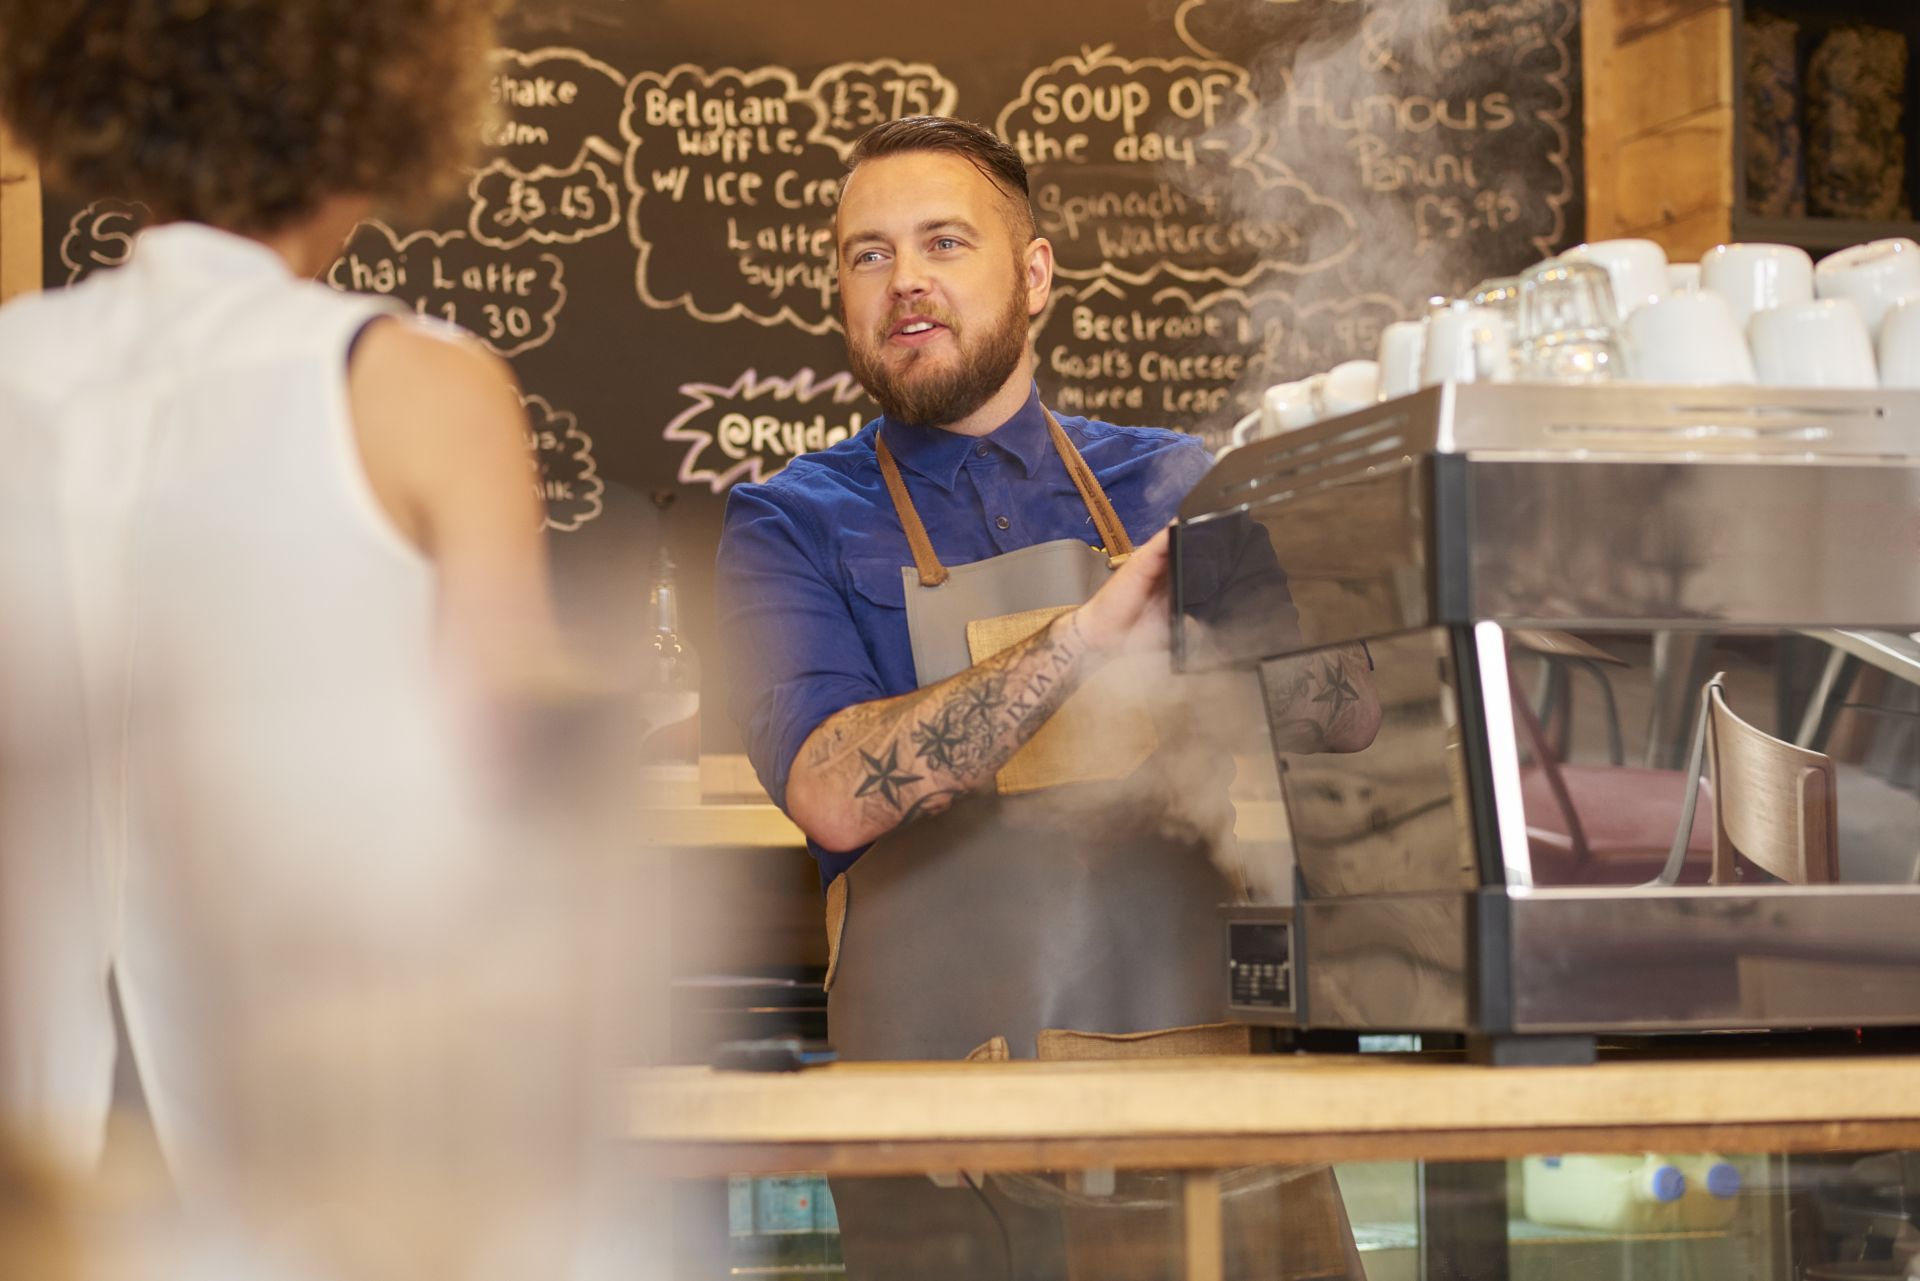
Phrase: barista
[911,607]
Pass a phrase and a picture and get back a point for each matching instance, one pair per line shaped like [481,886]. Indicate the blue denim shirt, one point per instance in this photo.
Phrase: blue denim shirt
[812,611]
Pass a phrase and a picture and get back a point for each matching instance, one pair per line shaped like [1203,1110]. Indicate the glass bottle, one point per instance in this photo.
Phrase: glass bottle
[670,669]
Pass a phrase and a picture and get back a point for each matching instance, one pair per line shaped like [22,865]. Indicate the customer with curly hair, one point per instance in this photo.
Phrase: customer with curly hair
[270,561]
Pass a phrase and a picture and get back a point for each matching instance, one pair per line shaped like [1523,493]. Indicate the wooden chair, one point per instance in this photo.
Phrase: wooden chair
[1604,824]
[1774,804]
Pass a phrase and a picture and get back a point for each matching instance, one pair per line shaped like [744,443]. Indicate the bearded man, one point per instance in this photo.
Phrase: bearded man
[914,617]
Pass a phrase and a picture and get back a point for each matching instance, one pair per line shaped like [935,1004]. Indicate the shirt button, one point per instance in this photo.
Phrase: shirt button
[980,451]
[1001,522]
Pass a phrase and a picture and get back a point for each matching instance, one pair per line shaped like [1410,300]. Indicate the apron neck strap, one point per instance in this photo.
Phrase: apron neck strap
[932,573]
[1113,534]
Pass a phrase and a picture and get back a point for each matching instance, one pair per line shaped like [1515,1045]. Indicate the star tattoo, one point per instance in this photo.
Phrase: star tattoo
[884,775]
[937,742]
[1339,691]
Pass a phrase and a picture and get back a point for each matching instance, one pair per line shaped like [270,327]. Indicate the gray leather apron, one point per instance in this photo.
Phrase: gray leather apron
[1069,907]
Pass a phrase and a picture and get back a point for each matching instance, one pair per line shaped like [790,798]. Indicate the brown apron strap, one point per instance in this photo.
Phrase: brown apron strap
[1113,534]
[932,572]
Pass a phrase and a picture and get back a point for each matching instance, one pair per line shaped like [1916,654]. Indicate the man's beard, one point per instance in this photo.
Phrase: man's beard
[925,397]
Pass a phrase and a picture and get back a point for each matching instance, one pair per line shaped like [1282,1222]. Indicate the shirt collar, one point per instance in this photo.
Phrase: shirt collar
[938,454]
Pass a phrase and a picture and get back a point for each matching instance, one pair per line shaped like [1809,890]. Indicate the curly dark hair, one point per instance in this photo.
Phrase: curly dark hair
[248,114]
[979,146]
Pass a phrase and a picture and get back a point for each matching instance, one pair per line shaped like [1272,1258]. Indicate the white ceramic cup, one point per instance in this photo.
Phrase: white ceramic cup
[1689,339]
[1683,278]
[1899,346]
[1245,432]
[1403,346]
[1304,411]
[1755,277]
[1873,276]
[1467,344]
[1823,343]
[1277,404]
[1348,386]
[1638,269]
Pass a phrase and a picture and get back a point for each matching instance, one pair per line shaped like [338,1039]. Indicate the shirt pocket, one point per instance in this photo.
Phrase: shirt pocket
[877,581]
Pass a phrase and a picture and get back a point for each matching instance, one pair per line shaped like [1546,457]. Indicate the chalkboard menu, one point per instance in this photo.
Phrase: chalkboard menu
[1238,192]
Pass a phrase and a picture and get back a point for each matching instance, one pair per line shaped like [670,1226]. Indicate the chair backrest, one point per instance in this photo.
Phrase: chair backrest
[1773,802]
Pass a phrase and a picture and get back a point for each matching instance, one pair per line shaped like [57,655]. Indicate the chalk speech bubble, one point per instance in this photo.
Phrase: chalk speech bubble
[556,106]
[549,207]
[852,97]
[1150,168]
[749,429]
[1168,357]
[1098,108]
[1389,105]
[510,301]
[101,236]
[1239,225]
[719,165]
[1143,356]
[568,480]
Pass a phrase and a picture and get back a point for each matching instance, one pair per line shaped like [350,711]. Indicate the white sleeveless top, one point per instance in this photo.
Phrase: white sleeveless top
[226,758]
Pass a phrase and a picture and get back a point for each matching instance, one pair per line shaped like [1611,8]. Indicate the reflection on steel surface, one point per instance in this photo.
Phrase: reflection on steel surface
[1598,506]
[1773,956]
[1392,819]
[1435,526]
[1387,961]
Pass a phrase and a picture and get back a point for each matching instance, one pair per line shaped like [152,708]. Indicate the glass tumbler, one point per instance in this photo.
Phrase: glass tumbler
[1569,330]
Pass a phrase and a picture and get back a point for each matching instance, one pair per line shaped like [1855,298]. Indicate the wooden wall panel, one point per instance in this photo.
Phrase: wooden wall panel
[1676,72]
[1676,171]
[1659,85]
[19,220]
[1598,110]
[1635,18]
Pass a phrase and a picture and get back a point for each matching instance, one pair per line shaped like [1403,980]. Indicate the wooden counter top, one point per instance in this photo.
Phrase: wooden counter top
[735,826]
[895,1118]
[762,826]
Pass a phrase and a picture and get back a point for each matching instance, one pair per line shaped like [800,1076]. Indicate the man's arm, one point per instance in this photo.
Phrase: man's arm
[873,766]
[1322,702]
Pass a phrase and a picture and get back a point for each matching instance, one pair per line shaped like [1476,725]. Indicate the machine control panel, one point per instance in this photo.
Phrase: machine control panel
[1260,965]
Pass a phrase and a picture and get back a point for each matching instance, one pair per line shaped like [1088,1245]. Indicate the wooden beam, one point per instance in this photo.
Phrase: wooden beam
[1597,57]
[1206,1245]
[1635,18]
[1676,72]
[870,1160]
[1678,170]
[20,269]
[1196,1113]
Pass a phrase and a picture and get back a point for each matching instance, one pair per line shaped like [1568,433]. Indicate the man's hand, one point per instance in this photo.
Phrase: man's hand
[1129,612]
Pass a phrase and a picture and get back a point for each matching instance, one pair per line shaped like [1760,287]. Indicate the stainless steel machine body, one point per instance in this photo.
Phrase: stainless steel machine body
[1438,527]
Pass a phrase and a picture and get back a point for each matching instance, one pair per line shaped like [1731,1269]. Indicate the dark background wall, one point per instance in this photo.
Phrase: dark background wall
[1239,192]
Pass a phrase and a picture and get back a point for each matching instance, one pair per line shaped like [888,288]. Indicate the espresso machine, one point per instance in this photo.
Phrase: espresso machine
[1479,538]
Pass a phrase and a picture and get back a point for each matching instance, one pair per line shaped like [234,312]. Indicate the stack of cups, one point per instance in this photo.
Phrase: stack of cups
[1617,309]
[1878,281]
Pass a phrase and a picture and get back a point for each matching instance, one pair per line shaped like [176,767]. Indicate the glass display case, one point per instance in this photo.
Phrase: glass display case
[1698,1215]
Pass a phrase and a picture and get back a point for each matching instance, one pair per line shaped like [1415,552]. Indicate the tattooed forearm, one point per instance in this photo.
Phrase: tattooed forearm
[876,765]
[1321,702]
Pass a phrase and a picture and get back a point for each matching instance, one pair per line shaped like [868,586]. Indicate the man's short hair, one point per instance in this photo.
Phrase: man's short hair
[980,147]
[248,115]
